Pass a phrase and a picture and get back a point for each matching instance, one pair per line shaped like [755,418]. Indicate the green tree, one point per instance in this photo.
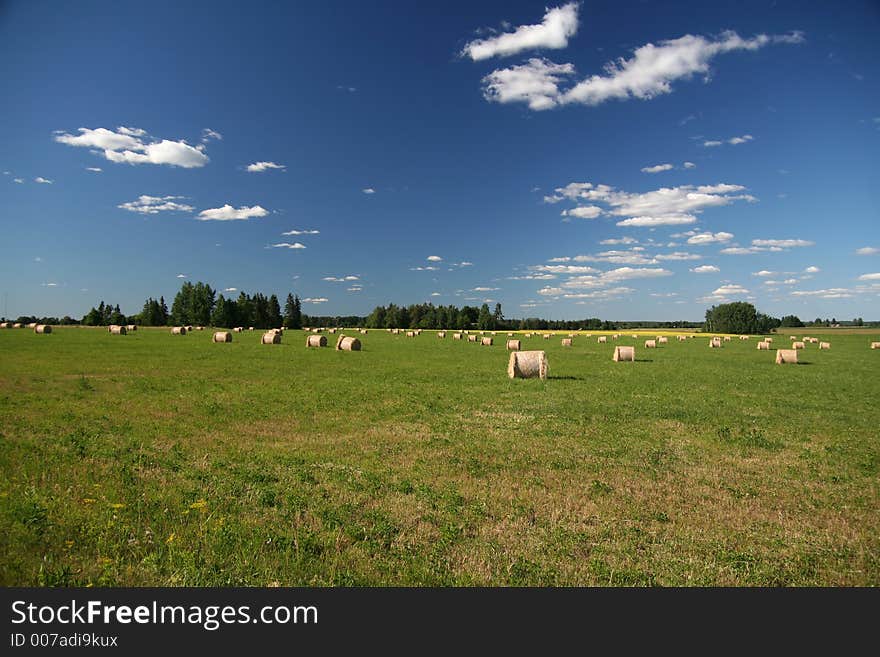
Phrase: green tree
[791,321]
[275,319]
[484,319]
[735,317]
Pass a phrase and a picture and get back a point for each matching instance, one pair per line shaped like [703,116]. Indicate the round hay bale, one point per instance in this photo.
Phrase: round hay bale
[200,328]
[345,343]
[528,335]
[662,339]
[271,337]
[250,328]
[222,336]
[768,339]
[875,345]
[178,330]
[527,365]
[824,345]
[602,339]
[363,331]
[472,338]
[715,343]
[650,344]
[786,356]
[797,345]
[514,345]
[5,324]
[763,346]
[17,325]
[566,342]
[331,331]
[456,336]
[727,338]
[418,331]
[486,342]
[441,334]
[238,329]
[118,330]
[546,336]
[682,338]
[510,335]
[131,327]
[189,328]
[624,354]
[42,329]
[316,341]
[111,327]
[410,334]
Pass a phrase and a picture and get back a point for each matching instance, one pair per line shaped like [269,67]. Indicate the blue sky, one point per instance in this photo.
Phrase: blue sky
[626,160]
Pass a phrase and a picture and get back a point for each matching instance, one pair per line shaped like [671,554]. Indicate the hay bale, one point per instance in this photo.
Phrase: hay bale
[727,338]
[743,337]
[514,345]
[634,336]
[395,331]
[786,356]
[875,345]
[797,345]
[824,345]
[316,341]
[662,339]
[768,339]
[363,331]
[486,342]
[5,324]
[410,334]
[622,354]
[271,337]
[472,338]
[566,342]
[602,339]
[17,325]
[527,365]
[510,335]
[763,346]
[682,338]
[441,334]
[466,332]
[131,327]
[118,330]
[189,328]
[715,343]
[456,336]
[331,331]
[111,327]
[221,336]
[42,329]
[345,343]
[528,335]
[650,344]
[250,328]
[238,329]
[546,336]
[178,330]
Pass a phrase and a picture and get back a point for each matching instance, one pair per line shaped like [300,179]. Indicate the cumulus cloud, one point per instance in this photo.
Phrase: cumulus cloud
[435,294]
[208,135]
[730,290]
[563,269]
[689,165]
[782,244]
[463,263]
[42,181]
[341,279]
[49,284]
[229,213]
[870,277]
[532,277]
[741,250]
[131,146]
[740,140]
[604,295]
[559,24]
[657,168]
[230,289]
[706,269]
[315,300]
[678,255]
[368,190]
[867,250]
[551,291]
[764,273]
[621,240]
[709,238]
[427,268]
[296,231]
[181,276]
[434,258]
[583,212]
[667,206]
[618,257]
[19,181]
[156,204]
[830,293]
[259,167]
[625,273]
[94,169]
[650,72]
[288,245]
[486,289]
[812,270]
[711,143]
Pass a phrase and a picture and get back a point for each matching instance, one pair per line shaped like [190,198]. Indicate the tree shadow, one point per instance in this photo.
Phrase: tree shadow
[644,360]
[567,378]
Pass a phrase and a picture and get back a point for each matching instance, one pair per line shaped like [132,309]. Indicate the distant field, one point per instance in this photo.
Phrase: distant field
[152,459]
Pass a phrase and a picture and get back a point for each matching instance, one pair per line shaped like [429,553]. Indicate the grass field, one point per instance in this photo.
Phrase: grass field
[152,459]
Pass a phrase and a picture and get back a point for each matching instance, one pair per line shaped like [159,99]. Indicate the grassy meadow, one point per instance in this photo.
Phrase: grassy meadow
[152,459]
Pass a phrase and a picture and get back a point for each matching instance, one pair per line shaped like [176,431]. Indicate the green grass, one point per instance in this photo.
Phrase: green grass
[152,459]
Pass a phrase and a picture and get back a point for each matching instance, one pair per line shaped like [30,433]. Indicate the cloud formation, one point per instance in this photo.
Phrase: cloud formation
[288,245]
[156,204]
[302,232]
[657,168]
[650,72]
[229,213]
[559,24]
[130,146]
[259,167]
[706,269]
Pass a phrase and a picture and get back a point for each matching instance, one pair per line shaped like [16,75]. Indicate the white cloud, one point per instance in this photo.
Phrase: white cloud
[764,273]
[782,244]
[668,220]
[625,273]
[434,258]
[830,293]
[259,167]
[631,257]
[464,263]
[229,213]
[649,73]
[181,276]
[315,300]
[486,289]
[288,245]
[42,181]
[435,294]
[354,288]
[678,255]
[710,238]
[208,135]
[606,294]
[657,168]
[790,281]
[689,165]
[560,259]
[551,291]
[563,269]
[129,145]
[583,212]
[49,284]
[740,140]
[341,279]
[706,269]
[20,181]
[741,250]
[156,204]
[622,240]
[812,270]
[867,250]
[427,268]
[710,144]
[230,289]
[730,290]
[870,277]
[553,32]
[302,232]
[368,190]
[94,169]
